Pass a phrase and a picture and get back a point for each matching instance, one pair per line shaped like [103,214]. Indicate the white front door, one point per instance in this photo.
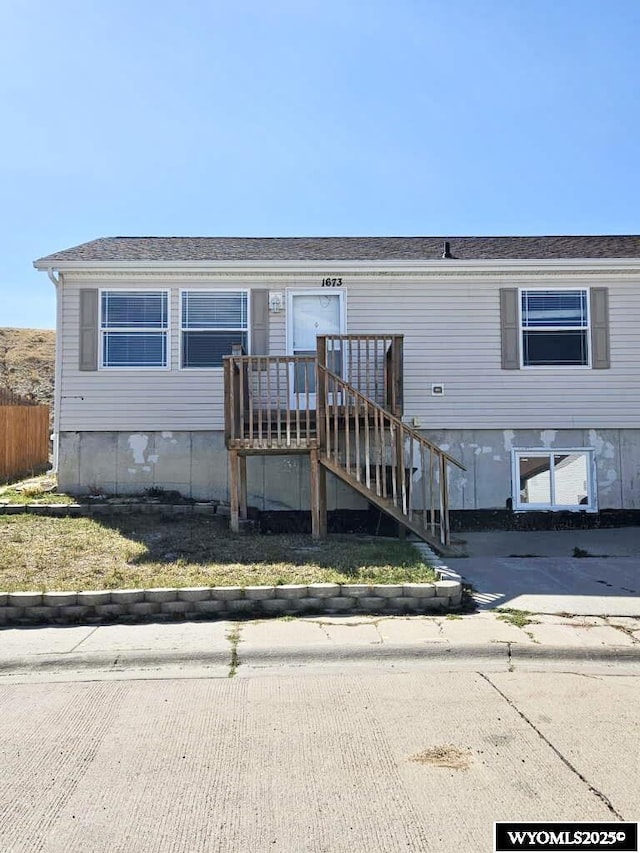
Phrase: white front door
[312,313]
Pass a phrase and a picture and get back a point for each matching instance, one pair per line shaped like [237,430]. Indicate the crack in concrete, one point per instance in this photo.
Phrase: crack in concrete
[234,639]
[624,630]
[607,802]
[80,642]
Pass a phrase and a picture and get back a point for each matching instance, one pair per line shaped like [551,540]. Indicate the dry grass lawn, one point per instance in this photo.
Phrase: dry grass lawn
[140,551]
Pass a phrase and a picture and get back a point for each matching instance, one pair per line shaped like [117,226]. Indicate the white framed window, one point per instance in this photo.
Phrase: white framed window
[558,479]
[211,323]
[554,328]
[134,328]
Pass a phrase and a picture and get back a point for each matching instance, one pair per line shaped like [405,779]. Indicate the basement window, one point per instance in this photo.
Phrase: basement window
[133,328]
[554,479]
[212,322]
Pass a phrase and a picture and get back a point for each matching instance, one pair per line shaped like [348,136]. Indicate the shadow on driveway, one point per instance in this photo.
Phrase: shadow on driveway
[577,572]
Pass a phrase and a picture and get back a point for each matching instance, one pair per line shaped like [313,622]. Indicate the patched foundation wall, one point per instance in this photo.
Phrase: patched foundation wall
[196,465]
[487,456]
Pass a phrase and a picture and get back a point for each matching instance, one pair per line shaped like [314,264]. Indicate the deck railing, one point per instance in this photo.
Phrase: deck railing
[374,449]
[370,363]
[270,402]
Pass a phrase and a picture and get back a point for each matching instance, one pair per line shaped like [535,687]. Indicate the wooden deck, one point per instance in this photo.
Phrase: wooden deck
[344,408]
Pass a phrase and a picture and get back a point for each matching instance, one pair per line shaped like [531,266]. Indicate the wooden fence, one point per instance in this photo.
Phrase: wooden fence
[24,440]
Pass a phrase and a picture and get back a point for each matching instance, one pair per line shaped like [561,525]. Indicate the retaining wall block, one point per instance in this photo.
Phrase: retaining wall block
[110,611]
[241,605]
[432,605]
[74,612]
[324,590]
[4,599]
[127,596]
[356,590]
[259,593]
[445,589]
[176,608]
[340,604]
[194,593]
[275,605]
[209,608]
[401,604]
[372,604]
[310,604]
[9,615]
[57,510]
[160,594]
[204,510]
[144,608]
[94,597]
[60,599]
[419,590]
[389,591]
[292,591]
[25,599]
[40,613]
[227,593]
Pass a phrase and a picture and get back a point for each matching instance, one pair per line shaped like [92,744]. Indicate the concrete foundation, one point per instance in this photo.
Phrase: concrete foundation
[196,465]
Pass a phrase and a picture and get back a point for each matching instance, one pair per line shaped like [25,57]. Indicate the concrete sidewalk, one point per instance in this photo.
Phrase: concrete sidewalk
[223,648]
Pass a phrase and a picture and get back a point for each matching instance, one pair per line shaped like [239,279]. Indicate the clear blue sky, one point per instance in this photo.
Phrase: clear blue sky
[310,117]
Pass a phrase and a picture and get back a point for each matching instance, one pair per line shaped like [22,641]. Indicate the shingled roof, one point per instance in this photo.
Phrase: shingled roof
[345,248]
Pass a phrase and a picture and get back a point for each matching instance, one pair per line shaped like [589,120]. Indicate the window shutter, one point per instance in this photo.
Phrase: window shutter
[509,328]
[259,322]
[600,358]
[88,330]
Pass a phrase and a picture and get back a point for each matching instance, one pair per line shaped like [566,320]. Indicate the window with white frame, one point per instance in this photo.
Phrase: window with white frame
[134,328]
[554,325]
[212,322]
[553,479]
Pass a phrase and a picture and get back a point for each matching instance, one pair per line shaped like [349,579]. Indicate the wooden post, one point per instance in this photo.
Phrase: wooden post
[318,496]
[227,399]
[321,393]
[398,379]
[322,500]
[444,503]
[234,495]
[242,470]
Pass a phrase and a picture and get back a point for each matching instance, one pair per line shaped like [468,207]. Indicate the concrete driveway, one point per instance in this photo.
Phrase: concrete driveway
[538,571]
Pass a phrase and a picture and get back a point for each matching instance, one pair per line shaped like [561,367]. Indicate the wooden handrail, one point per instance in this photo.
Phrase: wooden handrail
[393,418]
[371,447]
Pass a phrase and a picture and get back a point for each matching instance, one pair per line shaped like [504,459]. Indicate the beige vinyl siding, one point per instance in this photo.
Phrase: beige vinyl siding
[452,336]
[151,399]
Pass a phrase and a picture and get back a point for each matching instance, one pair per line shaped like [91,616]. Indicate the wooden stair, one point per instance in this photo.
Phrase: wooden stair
[387,506]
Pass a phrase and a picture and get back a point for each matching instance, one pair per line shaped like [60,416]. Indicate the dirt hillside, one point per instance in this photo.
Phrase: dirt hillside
[27,362]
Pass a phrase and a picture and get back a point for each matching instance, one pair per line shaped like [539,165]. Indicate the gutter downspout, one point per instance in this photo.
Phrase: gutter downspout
[57,382]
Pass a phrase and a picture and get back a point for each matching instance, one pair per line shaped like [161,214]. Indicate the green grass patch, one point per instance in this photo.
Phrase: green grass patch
[144,551]
[519,618]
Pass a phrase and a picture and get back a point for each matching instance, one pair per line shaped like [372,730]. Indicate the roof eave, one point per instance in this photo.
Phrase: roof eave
[334,264]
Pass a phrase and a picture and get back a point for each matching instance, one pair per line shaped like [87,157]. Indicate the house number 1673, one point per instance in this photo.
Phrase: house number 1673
[332,282]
